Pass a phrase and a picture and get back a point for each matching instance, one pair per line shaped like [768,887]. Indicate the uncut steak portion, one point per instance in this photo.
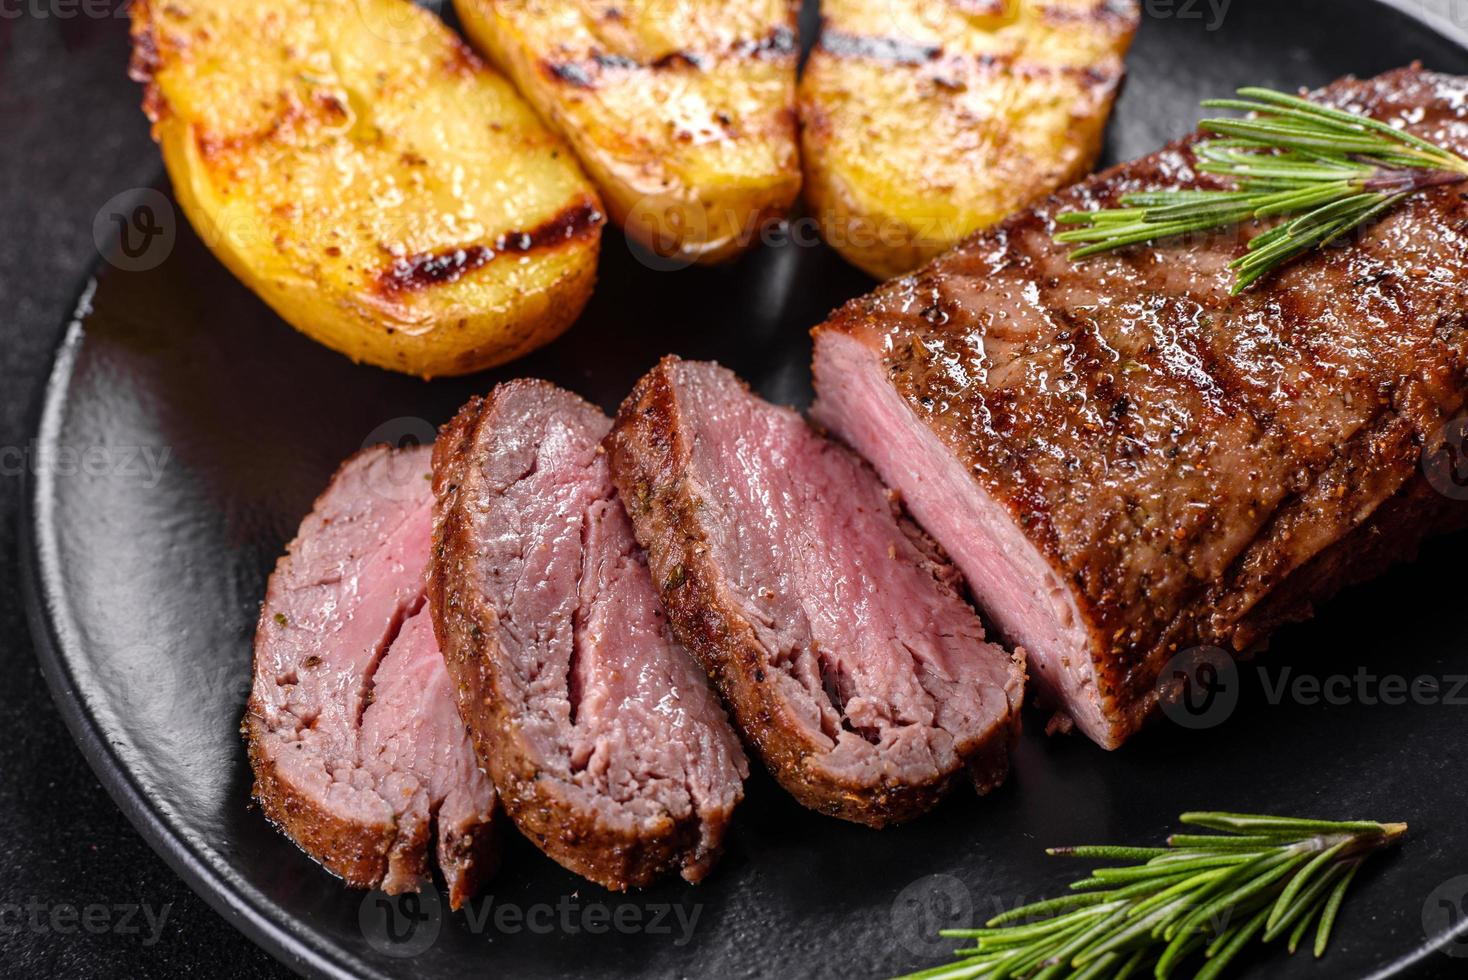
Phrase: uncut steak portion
[355,739]
[1126,461]
[609,750]
[830,624]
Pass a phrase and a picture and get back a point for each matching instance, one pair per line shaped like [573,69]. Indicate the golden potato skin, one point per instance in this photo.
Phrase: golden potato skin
[923,121]
[682,111]
[379,186]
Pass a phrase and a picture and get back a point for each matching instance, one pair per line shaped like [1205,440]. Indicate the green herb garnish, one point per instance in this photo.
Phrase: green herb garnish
[1321,171]
[1201,900]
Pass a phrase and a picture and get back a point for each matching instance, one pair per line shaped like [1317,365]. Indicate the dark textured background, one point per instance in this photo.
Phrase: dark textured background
[70,139]
[62,840]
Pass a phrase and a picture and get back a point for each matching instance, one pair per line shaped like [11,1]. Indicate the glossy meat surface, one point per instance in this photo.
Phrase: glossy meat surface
[1169,455]
[355,739]
[609,749]
[830,624]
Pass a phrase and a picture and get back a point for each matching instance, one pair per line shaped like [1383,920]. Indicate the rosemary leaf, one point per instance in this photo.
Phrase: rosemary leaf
[1245,822]
[1308,903]
[1332,908]
[1303,926]
[1063,904]
[1277,99]
[1221,841]
[1221,958]
[1179,949]
[1201,900]
[1299,881]
[1325,171]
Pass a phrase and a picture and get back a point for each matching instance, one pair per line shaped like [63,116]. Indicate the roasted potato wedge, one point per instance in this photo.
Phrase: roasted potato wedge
[682,111]
[384,190]
[923,121]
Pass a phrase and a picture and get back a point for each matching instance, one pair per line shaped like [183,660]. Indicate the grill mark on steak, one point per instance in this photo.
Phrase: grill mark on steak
[609,750]
[1125,459]
[787,571]
[357,748]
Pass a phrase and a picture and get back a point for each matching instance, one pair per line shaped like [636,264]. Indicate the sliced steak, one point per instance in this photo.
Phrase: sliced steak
[1128,462]
[609,749]
[354,736]
[830,624]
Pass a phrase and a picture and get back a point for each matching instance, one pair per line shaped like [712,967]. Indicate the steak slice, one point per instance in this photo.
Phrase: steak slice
[609,749]
[356,743]
[830,624]
[1126,461]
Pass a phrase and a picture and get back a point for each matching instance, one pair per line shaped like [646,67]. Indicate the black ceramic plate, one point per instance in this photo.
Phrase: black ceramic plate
[186,430]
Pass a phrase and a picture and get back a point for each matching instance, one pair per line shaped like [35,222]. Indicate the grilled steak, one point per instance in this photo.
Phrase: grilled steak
[829,623]
[1126,461]
[607,746]
[354,736]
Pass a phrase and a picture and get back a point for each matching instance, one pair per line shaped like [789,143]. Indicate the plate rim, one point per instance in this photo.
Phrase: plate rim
[298,948]
[42,597]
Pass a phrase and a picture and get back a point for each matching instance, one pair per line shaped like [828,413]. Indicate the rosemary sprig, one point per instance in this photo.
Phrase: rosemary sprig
[1321,171]
[1203,899]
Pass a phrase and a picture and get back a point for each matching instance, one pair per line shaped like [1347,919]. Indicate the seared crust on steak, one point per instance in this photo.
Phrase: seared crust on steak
[847,767]
[351,850]
[620,778]
[1141,463]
